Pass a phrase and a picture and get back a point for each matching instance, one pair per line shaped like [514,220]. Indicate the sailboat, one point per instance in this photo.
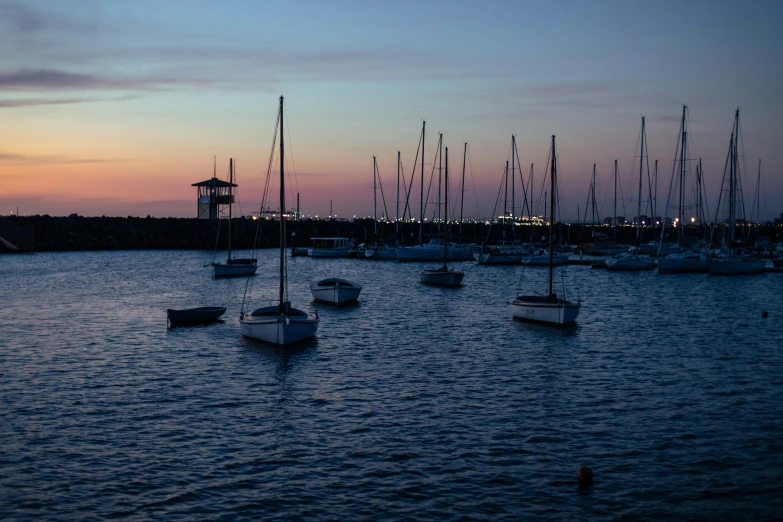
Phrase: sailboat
[549,309]
[505,252]
[279,324]
[443,276]
[233,267]
[685,258]
[380,250]
[731,260]
[430,251]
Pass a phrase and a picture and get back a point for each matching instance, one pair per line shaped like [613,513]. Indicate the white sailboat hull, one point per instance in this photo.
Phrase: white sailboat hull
[233,270]
[279,329]
[441,277]
[682,263]
[539,309]
[736,266]
[335,291]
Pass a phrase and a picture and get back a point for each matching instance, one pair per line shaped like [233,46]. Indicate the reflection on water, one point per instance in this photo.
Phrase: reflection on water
[419,402]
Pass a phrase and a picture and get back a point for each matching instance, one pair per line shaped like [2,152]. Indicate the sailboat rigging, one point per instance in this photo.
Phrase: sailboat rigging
[233,267]
[549,309]
[443,276]
[279,324]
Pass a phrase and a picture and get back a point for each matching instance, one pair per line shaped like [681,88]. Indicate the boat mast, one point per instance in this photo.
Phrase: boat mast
[513,177]
[421,193]
[639,202]
[446,211]
[734,173]
[282,213]
[505,200]
[462,197]
[682,175]
[440,174]
[614,219]
[592,189]
[698,193]
[552,182]
[655,197]
[374,200]
[397,212]
[530,184]
[758,196]
[230,200]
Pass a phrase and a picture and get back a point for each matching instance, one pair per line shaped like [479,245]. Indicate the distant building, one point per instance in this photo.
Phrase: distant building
[212,194]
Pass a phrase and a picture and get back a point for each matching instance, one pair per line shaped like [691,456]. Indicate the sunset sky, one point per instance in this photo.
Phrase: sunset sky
[116,107]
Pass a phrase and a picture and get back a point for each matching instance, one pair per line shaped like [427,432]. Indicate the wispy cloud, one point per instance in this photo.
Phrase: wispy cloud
[12,103]
[53,159]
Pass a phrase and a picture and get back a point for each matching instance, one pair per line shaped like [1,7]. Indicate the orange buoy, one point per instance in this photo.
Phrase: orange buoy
[585,476]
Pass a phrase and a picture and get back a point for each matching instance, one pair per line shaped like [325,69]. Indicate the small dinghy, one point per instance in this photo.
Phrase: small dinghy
[335,290]
[203,315]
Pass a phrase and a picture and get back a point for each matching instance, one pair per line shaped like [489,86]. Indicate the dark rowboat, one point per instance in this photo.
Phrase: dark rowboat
[203,315]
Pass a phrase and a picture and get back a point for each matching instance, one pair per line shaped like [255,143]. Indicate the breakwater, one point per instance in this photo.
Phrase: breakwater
[78,233]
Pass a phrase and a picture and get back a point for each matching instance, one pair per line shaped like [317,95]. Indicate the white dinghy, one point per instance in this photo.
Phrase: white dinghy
[443,276]
[548,309]
[335,290]
[280,324]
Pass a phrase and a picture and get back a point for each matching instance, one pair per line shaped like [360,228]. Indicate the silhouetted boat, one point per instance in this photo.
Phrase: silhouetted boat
[190,316]
[281,323]
[443,276]
[548,309]
[233,267]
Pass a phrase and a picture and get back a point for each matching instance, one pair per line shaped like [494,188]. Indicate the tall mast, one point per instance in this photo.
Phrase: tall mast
[655,196]
[397,212]
[505,200]
[552,182]
[699,176]
[462,198]
[639,202]
[614,219]
[421,194]
[230,200]
[592,189]
[446,210]
[513,177]
[683,146]
[282,212]
[758,196]
[440,174]
[734,168]
[530,184]
[374,200]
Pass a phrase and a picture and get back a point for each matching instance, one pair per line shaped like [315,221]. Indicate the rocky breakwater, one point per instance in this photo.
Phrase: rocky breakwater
[73,233]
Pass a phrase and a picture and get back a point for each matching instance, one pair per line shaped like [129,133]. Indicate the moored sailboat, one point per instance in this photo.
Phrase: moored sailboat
[443,276]
[732,260]
[279,324]
[549,309]
[233,267]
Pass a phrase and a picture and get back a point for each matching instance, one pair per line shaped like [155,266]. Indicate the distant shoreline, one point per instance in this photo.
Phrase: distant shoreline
[77,233]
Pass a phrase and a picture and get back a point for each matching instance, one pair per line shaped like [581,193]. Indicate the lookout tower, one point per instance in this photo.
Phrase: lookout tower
[212,194]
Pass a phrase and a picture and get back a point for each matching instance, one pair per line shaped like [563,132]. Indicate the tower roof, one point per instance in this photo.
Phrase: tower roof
[214,182]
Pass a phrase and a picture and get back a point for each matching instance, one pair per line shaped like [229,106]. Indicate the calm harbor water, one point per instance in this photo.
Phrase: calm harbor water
[419,403]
